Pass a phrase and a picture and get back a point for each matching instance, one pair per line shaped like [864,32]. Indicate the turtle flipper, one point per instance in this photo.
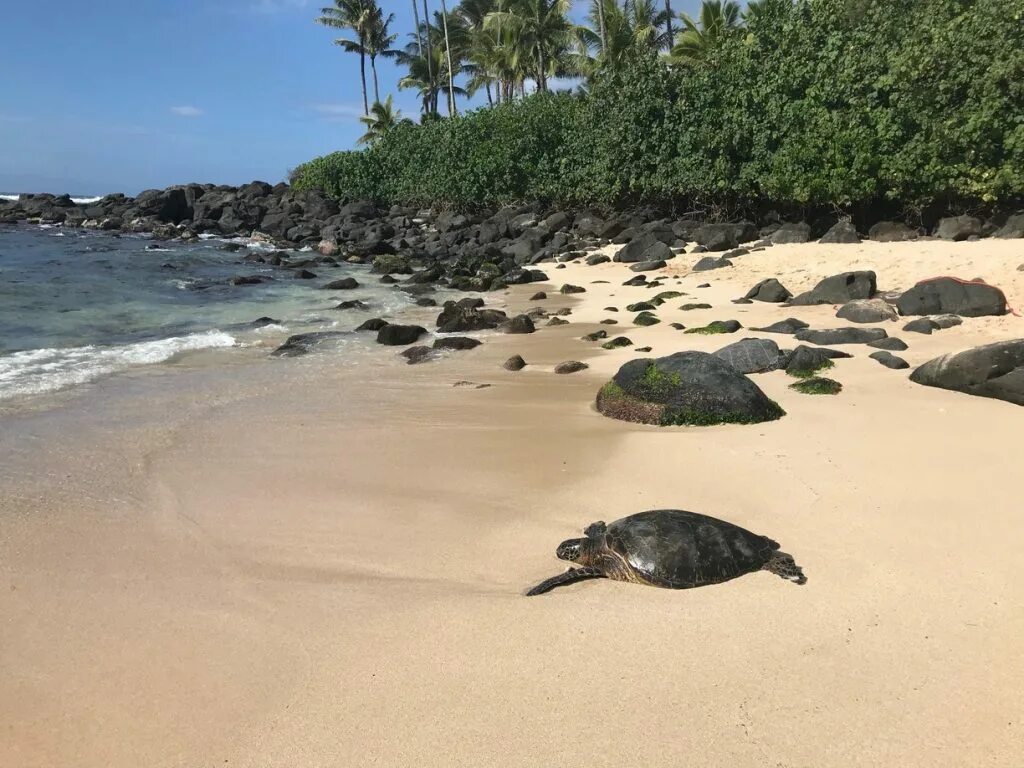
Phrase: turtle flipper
[594,530]
[571,575]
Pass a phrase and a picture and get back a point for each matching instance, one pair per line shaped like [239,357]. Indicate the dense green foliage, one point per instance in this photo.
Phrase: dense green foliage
[817,102]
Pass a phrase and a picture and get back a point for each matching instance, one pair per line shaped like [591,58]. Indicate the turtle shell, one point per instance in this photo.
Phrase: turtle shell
[678,549]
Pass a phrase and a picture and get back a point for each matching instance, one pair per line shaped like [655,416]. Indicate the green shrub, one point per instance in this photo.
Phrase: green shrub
[818,103]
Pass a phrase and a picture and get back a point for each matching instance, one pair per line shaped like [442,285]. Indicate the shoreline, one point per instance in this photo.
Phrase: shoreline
[328,569]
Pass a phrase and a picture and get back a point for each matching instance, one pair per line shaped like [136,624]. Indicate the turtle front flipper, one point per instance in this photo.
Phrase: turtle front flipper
[573,574]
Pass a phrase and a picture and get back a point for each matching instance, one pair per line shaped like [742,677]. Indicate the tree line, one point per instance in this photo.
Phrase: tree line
[829,103]
[505,47]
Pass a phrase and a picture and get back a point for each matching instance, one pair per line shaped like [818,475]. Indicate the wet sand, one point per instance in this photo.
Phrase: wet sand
[277,569]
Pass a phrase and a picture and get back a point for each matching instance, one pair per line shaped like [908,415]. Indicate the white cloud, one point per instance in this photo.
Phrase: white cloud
[186,111]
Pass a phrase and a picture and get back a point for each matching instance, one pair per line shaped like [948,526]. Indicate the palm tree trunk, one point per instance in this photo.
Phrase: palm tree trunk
[448,55]
[490,101]
[600,19]
[362,74]
[419,37]
[376,91]
[430,60]
[668,24]
[542,75]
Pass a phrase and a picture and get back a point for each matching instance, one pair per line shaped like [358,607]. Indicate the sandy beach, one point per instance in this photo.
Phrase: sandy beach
[268,569]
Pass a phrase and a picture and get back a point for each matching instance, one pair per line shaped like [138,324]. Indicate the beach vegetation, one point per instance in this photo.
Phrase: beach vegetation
[828,104]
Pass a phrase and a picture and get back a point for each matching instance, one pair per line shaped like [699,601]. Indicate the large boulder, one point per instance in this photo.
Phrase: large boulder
[799,232]
[891,232]
[789,326]
[841,335]
[806,361]
[889,360]
[841,232]
[400,335]
[708,263]
[645,248]
[724,237]
[1013,228]
[692,388]
[839,289]
[953,296]
[753,355]
[867,311]
[770,290]
[519,324]
[467,315]
[959,228]
[994,370]
[648,266]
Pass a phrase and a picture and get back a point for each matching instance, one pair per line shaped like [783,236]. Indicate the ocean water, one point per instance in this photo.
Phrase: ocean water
[77,306]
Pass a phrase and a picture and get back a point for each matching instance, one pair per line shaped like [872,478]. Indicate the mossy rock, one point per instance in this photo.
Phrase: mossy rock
[639,306]
[664,296]
[806,373]
[718,326]
[646,318]
[689,307]
[818,385]
[617,343]
[687,388]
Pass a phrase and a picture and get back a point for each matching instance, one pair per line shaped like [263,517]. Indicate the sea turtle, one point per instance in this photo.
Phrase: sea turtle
[669,548]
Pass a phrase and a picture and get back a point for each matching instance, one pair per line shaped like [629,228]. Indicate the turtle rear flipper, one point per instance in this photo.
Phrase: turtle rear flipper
[784,566]
[571,575]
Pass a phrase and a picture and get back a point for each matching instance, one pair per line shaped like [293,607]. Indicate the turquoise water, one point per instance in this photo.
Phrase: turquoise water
[76,305]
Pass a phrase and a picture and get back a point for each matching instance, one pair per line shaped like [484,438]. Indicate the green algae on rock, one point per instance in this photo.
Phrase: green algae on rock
[685,389]
[818,385]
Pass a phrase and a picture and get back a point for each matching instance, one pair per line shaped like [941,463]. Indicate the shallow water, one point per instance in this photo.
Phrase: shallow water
[76,306]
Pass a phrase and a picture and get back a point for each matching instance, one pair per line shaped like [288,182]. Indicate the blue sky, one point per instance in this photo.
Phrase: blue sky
[124,95]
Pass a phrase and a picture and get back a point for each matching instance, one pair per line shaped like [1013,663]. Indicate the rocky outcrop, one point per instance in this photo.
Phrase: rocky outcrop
[867,311]
[951,295]
[788,326]
[994,370]
[889,360]
[467,315]
[400,335]
[841,335]
[841,232]
[959,228]
[687,388]
[753,355]
[839,289]
[770,290]
[892,232]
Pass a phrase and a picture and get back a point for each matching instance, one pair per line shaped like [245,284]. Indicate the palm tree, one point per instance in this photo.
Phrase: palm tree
[668,25]
[542,32]
[717,20]
[448,56]
[354,15]
[629,29]
[382,118]
[430,58]
[378,42]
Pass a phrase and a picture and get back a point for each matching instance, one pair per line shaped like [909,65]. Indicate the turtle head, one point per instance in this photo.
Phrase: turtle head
[570,550]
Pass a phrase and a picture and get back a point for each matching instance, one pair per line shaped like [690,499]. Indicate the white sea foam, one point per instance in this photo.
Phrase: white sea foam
[77,200]
[47,370]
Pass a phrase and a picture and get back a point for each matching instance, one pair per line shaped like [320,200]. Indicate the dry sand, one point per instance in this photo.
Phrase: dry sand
[329,571]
